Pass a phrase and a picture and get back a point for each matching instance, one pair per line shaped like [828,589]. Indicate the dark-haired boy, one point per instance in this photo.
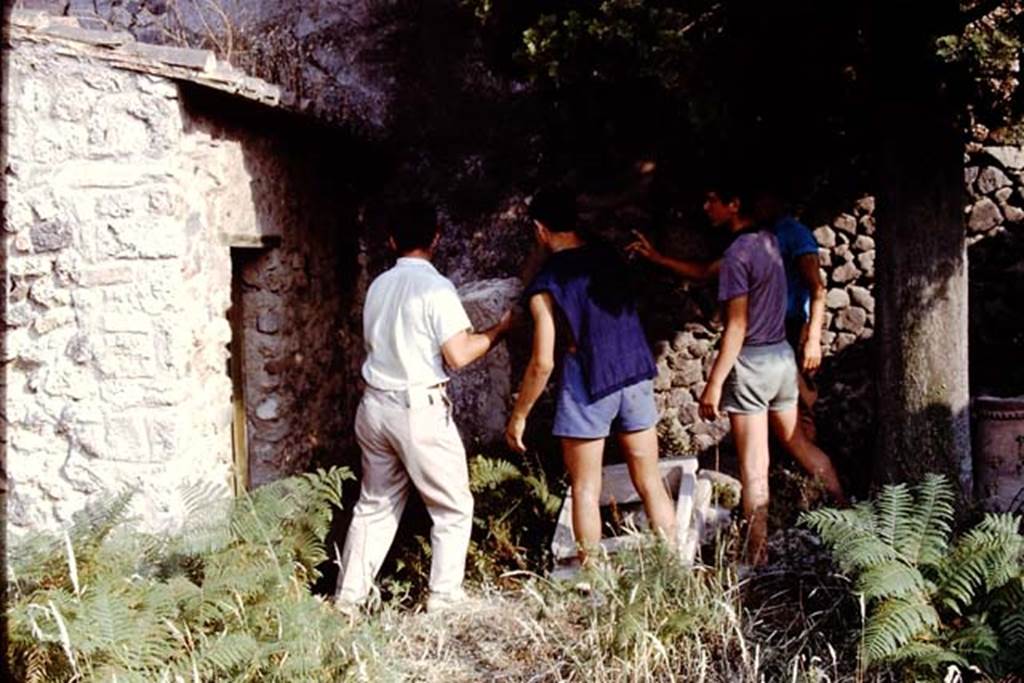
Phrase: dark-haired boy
[754,376]
[607,370]
[413,325]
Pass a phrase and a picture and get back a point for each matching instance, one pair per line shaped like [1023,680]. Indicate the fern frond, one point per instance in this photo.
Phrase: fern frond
[852,536]
[226,654]
[894,509]
[977,641]
[925,538]
[982,560]
[927,656]
[539,486]
[893,624]
[199,498]
[890,579]
[490,473]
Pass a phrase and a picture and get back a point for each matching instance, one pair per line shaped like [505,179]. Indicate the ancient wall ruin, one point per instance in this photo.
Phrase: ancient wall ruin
[137,206]
[115,328]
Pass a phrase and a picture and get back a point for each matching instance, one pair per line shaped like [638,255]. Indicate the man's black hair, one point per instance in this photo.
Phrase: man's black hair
[734,186]
[555,207]
[413,225]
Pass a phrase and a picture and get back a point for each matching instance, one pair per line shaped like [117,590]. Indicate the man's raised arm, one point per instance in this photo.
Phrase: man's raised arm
[693,270]
[465,347]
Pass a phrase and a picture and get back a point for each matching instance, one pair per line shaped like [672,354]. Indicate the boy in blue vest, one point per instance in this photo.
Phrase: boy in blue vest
[606,382]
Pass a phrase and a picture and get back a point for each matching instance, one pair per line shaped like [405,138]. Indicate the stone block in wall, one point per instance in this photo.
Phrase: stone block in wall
[984,215]
[142,393]
[687,373]
[970,176]
[991,179]
[843,340]
[866,261]
[861,296]
[867,225]
[851,319]
[663,380]
[837,298]
[863,243]
[74,382]
[864,205]
[1008,156]
[845,223]
[152,238]
[825,236]
[53,319]
[845,273]
[45,293]
[50,235]
[126,356]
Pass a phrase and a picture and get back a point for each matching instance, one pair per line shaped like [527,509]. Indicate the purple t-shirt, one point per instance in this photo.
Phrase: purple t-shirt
[753,266]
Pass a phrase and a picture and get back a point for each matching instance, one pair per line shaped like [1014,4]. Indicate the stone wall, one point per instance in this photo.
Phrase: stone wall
[994,175]
[115,328]
[137,206]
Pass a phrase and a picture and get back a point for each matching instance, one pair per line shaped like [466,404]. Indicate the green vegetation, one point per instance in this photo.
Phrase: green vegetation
[229,598]
[932,601]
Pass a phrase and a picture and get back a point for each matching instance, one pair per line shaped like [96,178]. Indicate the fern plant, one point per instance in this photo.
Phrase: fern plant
[226,599]
[932,601]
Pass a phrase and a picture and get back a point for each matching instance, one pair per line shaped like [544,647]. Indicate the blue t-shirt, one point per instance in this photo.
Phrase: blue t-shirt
[752,266]
[795,240]
[589,285]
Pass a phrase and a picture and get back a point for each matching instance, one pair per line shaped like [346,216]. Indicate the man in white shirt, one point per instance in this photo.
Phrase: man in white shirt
[413,325]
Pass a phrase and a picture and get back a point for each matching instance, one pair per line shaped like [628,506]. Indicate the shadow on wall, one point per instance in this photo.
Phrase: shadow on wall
[996,289]
[297,275]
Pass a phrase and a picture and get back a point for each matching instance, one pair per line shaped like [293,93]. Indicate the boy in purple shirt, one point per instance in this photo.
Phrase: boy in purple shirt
[754,376]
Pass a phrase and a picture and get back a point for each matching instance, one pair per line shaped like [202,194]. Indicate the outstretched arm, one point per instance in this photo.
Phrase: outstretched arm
[732,342]
[466,347]
[694,270]
[538,370]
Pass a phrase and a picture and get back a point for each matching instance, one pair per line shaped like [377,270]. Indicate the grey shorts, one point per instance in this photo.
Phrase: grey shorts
[764,378]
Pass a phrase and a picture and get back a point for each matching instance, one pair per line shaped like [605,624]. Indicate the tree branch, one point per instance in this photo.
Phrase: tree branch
[979,10]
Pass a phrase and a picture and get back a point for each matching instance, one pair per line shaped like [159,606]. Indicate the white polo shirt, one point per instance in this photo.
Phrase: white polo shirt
[410,311]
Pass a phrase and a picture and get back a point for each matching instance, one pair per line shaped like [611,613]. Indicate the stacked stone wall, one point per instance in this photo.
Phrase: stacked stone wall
[994,176]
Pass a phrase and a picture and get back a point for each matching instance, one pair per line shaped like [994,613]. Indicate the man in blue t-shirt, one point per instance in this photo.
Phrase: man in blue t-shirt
[607,373]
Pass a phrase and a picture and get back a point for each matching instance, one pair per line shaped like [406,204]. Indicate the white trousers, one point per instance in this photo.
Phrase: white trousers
[408,438]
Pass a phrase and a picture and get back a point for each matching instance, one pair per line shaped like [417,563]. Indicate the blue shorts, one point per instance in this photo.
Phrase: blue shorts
[630,409]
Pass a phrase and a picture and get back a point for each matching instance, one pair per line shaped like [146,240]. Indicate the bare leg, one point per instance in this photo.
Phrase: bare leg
[785,425]
[808,397]
[641,450]
[751,434]
[583,462]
